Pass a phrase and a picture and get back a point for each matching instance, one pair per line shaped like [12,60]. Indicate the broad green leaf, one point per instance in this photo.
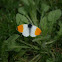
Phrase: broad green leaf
[44,7]
[60,31]
[33,15]
[42,38]
[31,2]
[25,2]
[10,42]
[54,15]
[20,19]
[12,38]
[18,48]
[43,25]
[22,10]
[12,45]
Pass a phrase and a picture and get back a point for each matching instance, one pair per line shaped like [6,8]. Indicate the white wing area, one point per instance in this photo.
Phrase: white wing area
[32,33]
[25,30]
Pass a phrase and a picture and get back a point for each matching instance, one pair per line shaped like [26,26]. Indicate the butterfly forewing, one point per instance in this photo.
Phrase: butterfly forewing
[32,33]
[35,31]
[25,30]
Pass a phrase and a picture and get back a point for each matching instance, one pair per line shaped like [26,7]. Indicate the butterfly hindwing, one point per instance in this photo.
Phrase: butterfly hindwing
[23,29]
[32,33]
[35,31]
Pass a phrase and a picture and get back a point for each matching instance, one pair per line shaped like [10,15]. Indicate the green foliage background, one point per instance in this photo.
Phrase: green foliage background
[47,15]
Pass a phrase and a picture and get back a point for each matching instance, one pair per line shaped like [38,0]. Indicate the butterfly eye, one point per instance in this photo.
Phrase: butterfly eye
[20,28]
[37,31]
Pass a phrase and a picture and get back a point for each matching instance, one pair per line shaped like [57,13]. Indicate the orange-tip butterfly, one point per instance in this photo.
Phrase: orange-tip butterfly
[29,30]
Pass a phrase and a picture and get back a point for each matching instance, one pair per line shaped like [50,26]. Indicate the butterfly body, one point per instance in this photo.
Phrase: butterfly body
[29,30]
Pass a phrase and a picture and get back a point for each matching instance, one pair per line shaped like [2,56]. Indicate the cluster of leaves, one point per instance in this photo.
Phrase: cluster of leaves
[41,48]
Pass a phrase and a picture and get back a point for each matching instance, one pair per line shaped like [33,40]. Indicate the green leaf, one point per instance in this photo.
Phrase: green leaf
[60,31]
[31,2]
[42,38]
[25,2]
[12,45]
[35,58]
[22,10]
[12,38]
[54,15]
[43,25]
[18,48]
[33,15]
[20,19]
[10,42]
[44,7]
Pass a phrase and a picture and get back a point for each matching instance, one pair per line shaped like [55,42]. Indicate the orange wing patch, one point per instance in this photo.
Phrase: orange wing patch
[20,28]
[38,31]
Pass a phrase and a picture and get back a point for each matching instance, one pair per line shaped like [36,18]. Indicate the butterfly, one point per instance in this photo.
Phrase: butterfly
[29,30]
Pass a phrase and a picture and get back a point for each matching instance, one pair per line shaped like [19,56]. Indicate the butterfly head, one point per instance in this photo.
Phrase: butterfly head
[29,25]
